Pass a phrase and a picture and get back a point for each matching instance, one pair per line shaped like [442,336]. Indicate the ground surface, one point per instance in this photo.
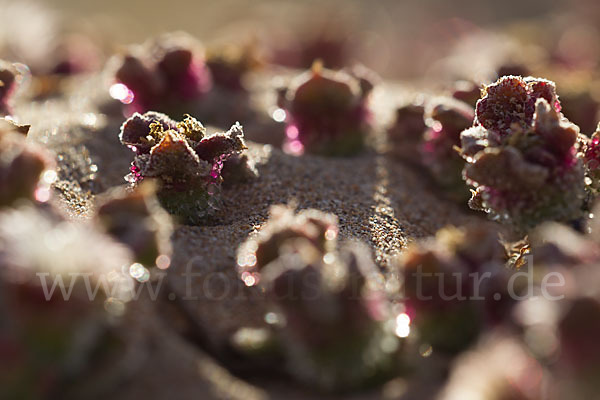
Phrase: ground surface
[377,199]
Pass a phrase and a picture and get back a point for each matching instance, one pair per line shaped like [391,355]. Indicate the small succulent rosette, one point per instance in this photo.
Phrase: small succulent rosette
[509,104]
[446,119]
[522,156]
[233,69]
[8,80]
[406,133]
[330,42]
[166,74]
[26,169]
[230,65]
[136,219]
[446,298]
[284,224]
[327,112]
[186,162]
[335,323]
[63,287]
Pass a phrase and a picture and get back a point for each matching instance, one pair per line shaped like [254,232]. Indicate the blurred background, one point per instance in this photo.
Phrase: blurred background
[83,64]
[400,39]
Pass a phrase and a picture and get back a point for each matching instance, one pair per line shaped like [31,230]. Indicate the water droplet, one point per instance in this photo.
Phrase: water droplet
[120,92]
[145,276]
[328,258]
[90,119]
[49,176]
[279,115]
[136,270]
[163,261]
[271,318]
[249,279]
[330,234]
[403,325]
[292,132]
[42,194]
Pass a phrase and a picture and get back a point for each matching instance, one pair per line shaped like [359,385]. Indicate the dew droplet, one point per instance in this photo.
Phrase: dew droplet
[403,325]
[163,261]
[120,92]
[279,115]
[136,270]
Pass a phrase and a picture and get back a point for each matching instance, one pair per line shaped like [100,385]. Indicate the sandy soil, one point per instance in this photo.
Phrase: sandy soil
[378,200]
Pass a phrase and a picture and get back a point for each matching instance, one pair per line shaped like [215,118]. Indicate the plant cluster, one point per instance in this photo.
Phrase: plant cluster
[339,326]
[165,74]
[184,159]
[522,155]
[327,112]
[26,169]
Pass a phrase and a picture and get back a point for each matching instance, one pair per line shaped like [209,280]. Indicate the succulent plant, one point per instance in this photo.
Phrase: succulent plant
[443,300]
[446,118]
[165,74]
[284,225]
[521,155]
[509,104]
[550,333]
[406,133]
[337,333]
[8,77]
[135,219]
[326,41]
[327,112]
[61,284]
[230,64]
[185,160]
[26,169]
